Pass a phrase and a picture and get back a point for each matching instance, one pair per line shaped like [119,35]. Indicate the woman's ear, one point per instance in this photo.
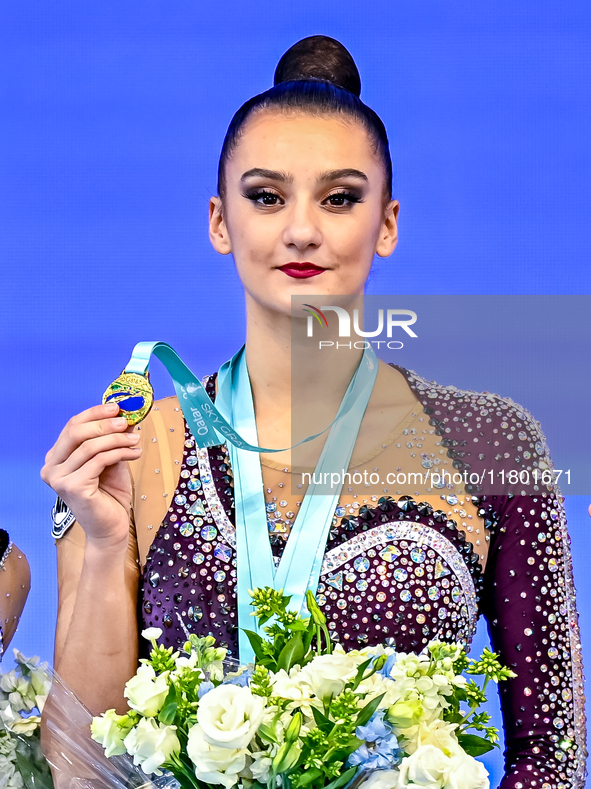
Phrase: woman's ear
[218,232]
[388,237]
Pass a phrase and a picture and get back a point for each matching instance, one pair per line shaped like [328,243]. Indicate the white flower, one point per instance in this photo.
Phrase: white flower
[382,779]
[12,720]
[146,692]
[440,734]
[413,686]
[409,665]
[213,764]
[327,675]
[291,686]
[152,744]
[214,664]
[9,777]
[466,772]
[260,767]
[27,726]
[187,661]
[151,633]
[376,685]
[110,730]
[17,689]
[28,663]
[230,715]
[427,767]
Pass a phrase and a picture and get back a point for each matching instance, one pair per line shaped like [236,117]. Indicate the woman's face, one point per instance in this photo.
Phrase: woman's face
[303,213]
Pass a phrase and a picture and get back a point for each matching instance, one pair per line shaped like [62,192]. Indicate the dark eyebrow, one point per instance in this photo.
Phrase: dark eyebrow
[261,172]
[347,172]
[328,175]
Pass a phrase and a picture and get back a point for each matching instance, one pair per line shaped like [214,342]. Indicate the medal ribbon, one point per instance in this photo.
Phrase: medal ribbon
[232,419]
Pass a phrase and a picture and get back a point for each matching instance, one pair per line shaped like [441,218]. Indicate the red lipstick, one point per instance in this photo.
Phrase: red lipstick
[301,270]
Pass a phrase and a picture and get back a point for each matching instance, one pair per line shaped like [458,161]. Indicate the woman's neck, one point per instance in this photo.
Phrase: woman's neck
[277,350]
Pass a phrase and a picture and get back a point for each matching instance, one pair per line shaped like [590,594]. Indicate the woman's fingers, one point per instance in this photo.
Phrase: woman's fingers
[92,423]
[96,446]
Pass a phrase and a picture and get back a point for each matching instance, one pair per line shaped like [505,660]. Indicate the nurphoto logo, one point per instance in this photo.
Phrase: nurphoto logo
[393,319]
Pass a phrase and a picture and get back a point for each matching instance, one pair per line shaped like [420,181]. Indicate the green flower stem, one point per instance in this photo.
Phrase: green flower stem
[472,709]
[328,640]
[182,772]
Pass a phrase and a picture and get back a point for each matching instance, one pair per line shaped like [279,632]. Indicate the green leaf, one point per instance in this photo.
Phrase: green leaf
[310,633]
[256,642]
[292,652]
[323,723]
[297,625]
[168,711]
[348,748]
[343,779]
[365,714]
[308,777]
[33,777]
[474,745]
[361,671]
[267,734]
[452,716]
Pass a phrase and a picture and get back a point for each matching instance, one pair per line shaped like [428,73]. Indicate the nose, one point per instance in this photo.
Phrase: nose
[302,229]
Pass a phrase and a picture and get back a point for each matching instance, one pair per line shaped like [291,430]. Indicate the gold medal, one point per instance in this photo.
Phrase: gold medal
[134,395]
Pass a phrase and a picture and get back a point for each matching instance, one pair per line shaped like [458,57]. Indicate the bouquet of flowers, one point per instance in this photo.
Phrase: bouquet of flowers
[307,714]
[23,692]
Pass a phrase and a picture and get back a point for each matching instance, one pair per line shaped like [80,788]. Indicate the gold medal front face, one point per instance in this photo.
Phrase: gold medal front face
[134,395]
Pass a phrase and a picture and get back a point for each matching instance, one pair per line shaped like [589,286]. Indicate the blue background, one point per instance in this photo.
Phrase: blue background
[113,117]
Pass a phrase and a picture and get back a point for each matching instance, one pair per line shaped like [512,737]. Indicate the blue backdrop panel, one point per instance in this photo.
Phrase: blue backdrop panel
[113,117]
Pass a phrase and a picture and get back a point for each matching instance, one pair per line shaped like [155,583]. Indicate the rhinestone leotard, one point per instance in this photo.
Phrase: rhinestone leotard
[402,569]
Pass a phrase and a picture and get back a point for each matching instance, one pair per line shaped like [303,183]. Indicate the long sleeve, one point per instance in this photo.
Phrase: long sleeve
[529,604]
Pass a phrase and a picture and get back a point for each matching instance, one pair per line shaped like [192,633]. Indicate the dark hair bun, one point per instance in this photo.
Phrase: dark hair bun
[319,58]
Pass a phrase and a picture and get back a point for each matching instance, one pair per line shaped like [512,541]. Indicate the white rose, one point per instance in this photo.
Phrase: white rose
[109,730]
[427,767]
[213,764]
[151,744]
[440,734]
[146,692]
[230,715]
[382,779]
[327,675]
[466,772]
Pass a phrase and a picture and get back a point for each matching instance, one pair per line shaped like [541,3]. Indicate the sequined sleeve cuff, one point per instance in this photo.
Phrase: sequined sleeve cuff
[5,547]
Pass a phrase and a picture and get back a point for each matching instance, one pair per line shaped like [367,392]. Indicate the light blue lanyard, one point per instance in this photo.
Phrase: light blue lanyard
[232,419]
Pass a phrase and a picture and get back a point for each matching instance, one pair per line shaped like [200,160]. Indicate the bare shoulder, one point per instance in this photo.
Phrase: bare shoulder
[391,389]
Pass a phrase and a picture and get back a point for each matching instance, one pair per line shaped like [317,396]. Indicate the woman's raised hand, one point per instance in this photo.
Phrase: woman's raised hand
[87,468]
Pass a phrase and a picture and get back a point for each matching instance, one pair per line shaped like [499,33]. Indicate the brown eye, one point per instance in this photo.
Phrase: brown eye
[339,199]
[262,197]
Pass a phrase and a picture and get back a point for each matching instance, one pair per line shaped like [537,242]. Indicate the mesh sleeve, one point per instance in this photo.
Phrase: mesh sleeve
[529,603]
